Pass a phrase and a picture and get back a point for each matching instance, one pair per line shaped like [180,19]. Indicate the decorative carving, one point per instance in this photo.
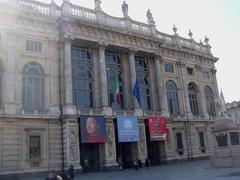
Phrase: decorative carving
[150,18]
[110,142]
[206,40]
[98,5]
[142,145]
[174,30]
[125,9]
[73,145]
[190,34]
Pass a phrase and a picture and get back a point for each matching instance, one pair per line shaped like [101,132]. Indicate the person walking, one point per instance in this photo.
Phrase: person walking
[71,172]
[147,163]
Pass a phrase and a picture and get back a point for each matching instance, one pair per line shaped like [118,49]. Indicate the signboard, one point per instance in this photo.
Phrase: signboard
[93,129]
[128,130]
[157,128]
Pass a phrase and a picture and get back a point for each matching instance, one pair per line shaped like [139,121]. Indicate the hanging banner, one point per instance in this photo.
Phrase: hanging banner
[93,129]
[128,130]
[157,128]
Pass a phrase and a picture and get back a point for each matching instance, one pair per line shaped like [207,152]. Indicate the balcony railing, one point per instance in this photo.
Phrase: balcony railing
[99,17]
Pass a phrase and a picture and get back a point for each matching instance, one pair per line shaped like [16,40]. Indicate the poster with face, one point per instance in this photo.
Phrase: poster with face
[157,128]
[128,130]
[93,129]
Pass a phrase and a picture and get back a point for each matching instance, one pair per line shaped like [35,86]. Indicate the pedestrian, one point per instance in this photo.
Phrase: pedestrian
[52,175]
[139,163]
[71,172]
[135,164]
[147,163]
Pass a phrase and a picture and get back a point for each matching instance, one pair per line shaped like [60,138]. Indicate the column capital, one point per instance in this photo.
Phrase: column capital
[102,44]
[181,64]
[132,50]
[214,71]
[198,67]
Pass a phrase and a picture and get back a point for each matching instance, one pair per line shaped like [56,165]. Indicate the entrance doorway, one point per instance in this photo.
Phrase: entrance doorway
[124,151]
[153,147]
[89,154]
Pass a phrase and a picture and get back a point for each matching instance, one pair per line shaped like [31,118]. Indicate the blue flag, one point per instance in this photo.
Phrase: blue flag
[136,92]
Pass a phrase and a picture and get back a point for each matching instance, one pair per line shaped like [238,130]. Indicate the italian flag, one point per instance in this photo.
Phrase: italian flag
[116,91]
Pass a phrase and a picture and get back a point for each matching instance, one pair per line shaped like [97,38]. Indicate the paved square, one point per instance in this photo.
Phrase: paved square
[194,170]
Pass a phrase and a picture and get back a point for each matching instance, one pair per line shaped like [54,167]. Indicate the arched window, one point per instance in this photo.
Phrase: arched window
[33,87]
[142,74]
[193,98]
[210,101]
[172,97]
[115,78]
[82,78]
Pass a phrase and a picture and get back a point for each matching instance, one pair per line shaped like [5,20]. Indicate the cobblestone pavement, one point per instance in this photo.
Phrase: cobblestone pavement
[194,170]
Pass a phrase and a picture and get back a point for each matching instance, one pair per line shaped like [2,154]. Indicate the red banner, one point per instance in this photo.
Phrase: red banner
[157,128]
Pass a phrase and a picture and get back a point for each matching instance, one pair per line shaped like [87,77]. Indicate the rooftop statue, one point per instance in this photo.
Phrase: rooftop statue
[150,18]
[125,9]
[98,5]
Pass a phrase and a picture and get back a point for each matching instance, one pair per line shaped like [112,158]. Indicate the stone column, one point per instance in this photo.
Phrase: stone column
[184,84]
[215,90]
[67,88]
[71,143]
[103,79]
[162,96]
[202,98]
[142,144]
[138,111]
[110,147]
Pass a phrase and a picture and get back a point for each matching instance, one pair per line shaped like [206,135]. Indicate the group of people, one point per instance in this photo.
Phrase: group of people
[52,174]
[138,163]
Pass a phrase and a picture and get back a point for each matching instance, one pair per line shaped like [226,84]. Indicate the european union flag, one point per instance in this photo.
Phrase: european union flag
[136,92]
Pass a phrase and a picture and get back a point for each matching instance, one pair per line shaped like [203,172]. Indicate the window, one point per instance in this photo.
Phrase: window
[221,139]
[202,142]
[179,143]
[82,78]
[33,87]
[172,97]
[114,75]
[35,147]
[80,54]
[169,68]
[210,101]
[206,75]
[190,71]
[34,46]
[192,90]
[234,138]
[1,81]
[142,74]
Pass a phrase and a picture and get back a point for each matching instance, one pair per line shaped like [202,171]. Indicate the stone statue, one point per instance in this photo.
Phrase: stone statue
[125,9]
[98,5]
[150,18]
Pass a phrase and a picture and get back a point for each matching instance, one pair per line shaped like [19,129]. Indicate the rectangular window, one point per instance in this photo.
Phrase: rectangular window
[35,147]
[190,71]
[222,139]
[234,138]
[169,68]
[79,53]
[179,143]
[201,139]
[205,75]
[34,46]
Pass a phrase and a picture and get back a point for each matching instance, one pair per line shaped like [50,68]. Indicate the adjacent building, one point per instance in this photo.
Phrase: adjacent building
[62,67]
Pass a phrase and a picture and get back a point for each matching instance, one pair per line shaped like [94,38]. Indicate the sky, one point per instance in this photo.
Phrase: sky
[218,19]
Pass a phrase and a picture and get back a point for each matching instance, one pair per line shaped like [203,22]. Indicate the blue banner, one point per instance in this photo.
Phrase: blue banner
[128,130]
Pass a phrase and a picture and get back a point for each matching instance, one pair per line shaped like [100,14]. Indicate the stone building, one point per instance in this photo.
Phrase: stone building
[233,111]
[59,63]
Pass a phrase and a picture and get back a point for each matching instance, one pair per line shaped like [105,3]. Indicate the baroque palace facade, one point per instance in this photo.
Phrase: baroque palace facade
[59,63]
